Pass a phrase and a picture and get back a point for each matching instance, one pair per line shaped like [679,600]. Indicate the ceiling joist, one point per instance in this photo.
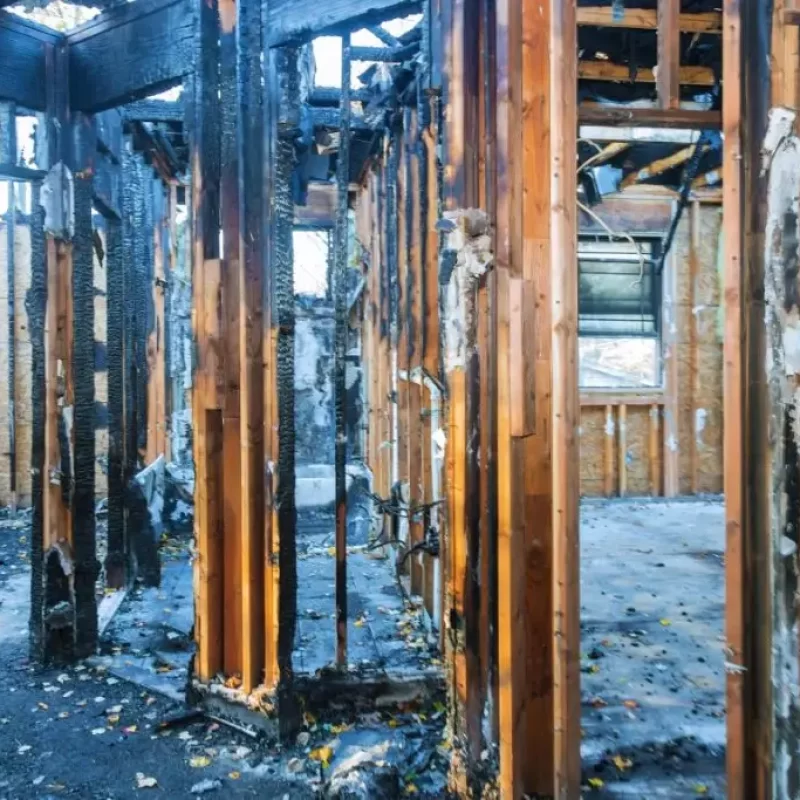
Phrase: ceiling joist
[608,71]
[659,167]
[647,19]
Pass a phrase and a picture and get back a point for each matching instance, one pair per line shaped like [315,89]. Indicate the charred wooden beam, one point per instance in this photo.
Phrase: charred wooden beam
[130,52]
[597,114]
[300,20]
[167,111]
[340,356]
[386,54]
[16,173]
[379,32]
[24,47]
[326,96]
[660,166]
[330,119]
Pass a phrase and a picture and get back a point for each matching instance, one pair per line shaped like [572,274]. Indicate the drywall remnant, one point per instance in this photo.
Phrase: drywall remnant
[700,417]
[781,166]
[466,256]
[58,201]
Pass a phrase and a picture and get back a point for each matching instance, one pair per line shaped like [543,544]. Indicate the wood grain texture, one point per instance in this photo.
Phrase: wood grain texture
[22,61]
[669,53]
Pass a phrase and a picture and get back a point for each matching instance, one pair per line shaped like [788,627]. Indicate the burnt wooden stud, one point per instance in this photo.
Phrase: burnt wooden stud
[669,53]
[340,354]
[250,145]
[208,382]
[25,48]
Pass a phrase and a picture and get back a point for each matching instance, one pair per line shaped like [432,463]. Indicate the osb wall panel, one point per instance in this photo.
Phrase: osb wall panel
[637,450]
[23,367]
[101,373]
[699,391]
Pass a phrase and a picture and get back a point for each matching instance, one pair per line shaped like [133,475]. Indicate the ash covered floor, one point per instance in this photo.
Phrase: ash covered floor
[386,634]
[652,648]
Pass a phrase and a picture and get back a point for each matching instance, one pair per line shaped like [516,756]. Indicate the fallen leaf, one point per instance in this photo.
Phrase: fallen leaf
[622,763]
[665,622]
[113,719]
[199,761]
[596,783]
[43,706]
[630,704]
[700,788]
[63,714]
[323,755]
[145,782]
[598,702]
[411,789]
[130,729]
[234,776]
[234,682]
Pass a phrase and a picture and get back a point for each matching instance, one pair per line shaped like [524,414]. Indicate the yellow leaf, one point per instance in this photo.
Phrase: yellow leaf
[594,668]
[234,776]
[322,754]
[359,623]
[665,622]
[700,788]
[199,761]
[411,789]
[337,729]
[622,763]
[331,551]
[393,723]
[131,729]
[234,682]
[113,719]
[630,704]
[596,783]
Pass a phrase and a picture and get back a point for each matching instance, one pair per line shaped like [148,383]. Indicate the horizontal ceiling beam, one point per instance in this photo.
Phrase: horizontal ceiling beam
[609,71]
[647,19]
[130,52]
[23,57]
[682,118]
[659,167]
[153,111]
[301,20]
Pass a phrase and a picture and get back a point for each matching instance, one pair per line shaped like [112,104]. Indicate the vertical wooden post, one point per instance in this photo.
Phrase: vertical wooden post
[760,472]
[250,239]
[608,453]
[537,458]
[670,371]
[340,353]
[694,340]
[64,607]
[655,452]
[669,53]
[208,383]
[622,452]
[231,322]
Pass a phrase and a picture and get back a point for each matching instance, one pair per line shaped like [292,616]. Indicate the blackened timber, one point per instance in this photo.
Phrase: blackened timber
[130,52]
[329,118]
[23,51]
[35,307]
[8,133]
[116,561]
[379,32]
[250,146]
[11,229]
[154,111]
[339,356]
[327,96]
[83,517]
[386,54]
[301,20]
[284,86]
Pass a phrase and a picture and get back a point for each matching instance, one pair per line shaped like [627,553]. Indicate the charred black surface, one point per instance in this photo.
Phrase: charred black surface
[283,277]
[130,52]
[116,561]
[339,355]
[83,519]
[23,48]
[35,305]
[300,20]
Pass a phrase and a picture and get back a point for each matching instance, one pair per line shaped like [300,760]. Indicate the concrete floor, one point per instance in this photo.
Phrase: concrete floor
[652,664]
